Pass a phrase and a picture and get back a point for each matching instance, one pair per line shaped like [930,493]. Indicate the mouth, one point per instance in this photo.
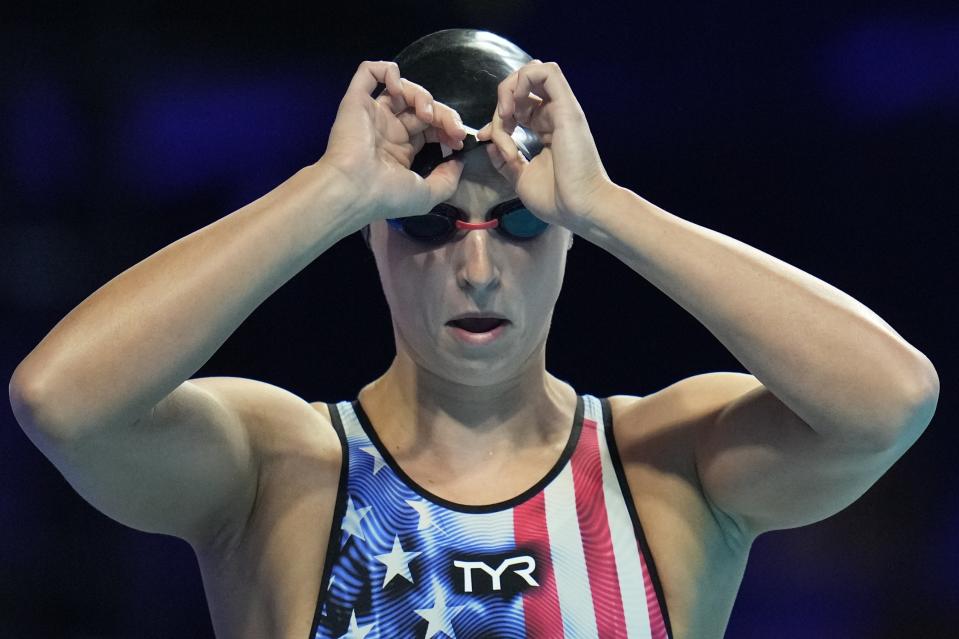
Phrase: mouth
[478,331]
[477,324]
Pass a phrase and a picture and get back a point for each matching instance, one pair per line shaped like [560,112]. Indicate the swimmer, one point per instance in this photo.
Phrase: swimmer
[468,492]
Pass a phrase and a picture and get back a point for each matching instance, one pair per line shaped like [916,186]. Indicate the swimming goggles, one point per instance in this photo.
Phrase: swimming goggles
[510,218]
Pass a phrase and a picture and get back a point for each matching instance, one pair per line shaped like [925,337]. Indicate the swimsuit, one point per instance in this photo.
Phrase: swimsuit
[566,558]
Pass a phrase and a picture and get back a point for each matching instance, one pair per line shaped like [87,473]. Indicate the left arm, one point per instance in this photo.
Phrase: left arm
[833,362]
[837,395]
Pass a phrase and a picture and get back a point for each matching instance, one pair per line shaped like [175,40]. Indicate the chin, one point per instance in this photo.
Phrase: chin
[480,373]
[482,367]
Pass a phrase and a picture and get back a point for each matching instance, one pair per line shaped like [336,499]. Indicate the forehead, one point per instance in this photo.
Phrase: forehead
[480,184]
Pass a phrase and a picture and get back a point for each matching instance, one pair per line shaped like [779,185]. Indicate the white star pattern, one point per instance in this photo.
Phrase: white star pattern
[440,616]
[397,562]
[352,519]
[378,462]
[355,631]
[421,507]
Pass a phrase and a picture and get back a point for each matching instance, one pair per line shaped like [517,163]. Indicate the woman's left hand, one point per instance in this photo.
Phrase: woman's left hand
[566,181]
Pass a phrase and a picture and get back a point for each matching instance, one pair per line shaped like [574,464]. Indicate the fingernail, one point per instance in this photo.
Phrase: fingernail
[429,109]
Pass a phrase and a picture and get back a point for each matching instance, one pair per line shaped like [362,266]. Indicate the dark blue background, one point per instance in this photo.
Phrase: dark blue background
[827,136]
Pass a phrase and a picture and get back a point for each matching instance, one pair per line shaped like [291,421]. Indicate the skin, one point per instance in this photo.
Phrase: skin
[247,472]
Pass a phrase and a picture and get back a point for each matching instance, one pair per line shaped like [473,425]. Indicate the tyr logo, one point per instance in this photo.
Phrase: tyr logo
[522,566]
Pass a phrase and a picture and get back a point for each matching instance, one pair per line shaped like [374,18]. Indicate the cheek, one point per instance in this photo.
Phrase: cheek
[400,294]
[546,280]
[409,292]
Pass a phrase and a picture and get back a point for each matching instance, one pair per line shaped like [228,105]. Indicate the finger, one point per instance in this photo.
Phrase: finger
[386,74]
[416,128]
[507,158]
[451,130]
[372,73]
[434,134]
[485,133]
[402,94]
[449,120]
[526,106]
[524,102]
[546,81]
[505,104]
[418,98]
[395,103]
[443,180]
[502,165]
[413,124]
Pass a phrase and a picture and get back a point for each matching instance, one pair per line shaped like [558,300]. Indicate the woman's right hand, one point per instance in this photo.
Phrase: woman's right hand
[373,142]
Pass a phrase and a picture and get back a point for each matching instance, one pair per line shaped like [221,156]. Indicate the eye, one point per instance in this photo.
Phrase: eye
[427,227]
[522,224]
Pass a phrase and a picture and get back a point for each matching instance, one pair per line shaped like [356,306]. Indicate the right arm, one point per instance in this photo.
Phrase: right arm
[106,395]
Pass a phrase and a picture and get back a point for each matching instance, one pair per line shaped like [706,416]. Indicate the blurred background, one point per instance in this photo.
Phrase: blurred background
[825,134]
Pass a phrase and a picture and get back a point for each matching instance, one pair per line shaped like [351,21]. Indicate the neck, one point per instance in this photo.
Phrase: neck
[414,407]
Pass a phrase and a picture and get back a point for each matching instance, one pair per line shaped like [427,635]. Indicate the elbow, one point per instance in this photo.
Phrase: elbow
[917,406]
[31,410]
[23,398]
[925,396]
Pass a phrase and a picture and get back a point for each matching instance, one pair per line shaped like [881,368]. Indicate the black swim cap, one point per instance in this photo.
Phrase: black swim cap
[462,68]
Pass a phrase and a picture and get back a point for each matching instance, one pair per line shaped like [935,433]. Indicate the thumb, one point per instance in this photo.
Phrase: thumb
[505,155]
[443,180]
[511,168]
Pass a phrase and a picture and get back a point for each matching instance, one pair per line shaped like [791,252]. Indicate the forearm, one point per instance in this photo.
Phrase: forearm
[140,335]
[831,360]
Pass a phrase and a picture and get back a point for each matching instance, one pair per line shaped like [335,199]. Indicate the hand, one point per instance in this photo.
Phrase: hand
[373,142]
[565,181]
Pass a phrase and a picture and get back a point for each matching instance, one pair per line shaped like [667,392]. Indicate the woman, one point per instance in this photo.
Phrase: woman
[468,492]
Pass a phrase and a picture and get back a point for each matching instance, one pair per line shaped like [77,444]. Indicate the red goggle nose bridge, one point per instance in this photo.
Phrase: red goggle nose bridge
[475,226]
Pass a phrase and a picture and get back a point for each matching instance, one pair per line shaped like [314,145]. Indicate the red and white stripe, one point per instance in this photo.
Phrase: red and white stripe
[581,521]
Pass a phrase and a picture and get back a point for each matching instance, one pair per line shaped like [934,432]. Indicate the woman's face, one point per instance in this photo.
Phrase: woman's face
[477,271]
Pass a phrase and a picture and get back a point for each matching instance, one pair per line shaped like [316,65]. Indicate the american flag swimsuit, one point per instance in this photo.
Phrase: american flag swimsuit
[566,558]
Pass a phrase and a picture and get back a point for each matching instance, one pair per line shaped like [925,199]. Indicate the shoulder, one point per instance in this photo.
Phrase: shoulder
[322,410]
[678,407]
[656,438]
[279,424]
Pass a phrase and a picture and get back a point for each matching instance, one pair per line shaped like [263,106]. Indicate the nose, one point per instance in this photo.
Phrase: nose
[477,262]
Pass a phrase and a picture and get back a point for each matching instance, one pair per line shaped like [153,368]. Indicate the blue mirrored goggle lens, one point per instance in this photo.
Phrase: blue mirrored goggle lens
[521,223]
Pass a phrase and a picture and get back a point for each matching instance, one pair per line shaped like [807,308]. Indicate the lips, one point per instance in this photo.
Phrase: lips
[479,321]
[477,332]
[477,324]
